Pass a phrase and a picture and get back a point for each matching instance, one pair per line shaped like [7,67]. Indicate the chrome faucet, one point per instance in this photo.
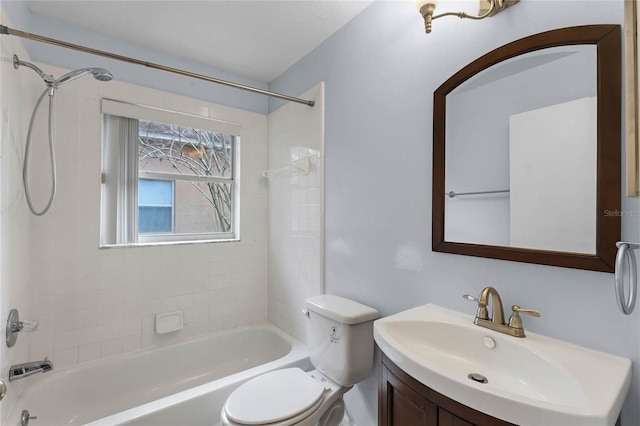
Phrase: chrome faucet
[20,371]
[495,321]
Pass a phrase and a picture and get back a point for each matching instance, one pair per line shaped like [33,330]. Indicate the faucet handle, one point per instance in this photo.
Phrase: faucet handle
[532,312]
[515,321]
[482,311]
[28,326]
[470,298]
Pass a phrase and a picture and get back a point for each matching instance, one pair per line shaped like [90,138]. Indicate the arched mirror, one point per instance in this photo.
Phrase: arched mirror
[526,151]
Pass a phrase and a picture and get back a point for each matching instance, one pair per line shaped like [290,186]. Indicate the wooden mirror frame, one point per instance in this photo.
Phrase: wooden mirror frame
[607,39]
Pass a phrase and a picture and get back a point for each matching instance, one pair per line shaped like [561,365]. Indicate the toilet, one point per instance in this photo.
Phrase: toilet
[340,342]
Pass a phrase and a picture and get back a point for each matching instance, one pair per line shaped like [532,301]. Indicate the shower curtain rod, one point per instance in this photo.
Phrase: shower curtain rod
[36,37]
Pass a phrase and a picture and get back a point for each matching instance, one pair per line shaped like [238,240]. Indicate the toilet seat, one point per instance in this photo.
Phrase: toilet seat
[282,396]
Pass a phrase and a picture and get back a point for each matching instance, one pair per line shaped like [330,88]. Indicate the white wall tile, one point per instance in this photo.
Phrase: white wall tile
[131,343]
[94,303]
[65,321]
[110,348]
[65,357]
[88,353]
[110,330]
[88,318]
[200,328]
[229,321]
[97,303]
[65,340]
[89,335]
[295,213]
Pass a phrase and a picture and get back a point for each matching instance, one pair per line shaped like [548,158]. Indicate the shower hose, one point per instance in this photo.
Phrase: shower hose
[25,175]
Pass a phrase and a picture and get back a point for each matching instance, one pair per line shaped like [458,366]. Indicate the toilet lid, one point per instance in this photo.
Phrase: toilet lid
[273,397]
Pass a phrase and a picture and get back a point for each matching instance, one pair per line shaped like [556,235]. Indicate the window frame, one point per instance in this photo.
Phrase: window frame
[126,110]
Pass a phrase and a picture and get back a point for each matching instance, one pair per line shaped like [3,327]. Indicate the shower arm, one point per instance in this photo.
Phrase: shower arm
[10,31]
[48,78]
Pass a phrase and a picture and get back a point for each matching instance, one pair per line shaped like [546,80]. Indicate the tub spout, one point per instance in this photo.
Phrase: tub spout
[20,371]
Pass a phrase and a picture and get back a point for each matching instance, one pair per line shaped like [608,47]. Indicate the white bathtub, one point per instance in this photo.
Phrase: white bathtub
[185,384]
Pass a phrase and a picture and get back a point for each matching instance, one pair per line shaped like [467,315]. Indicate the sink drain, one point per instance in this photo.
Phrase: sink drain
[478,378]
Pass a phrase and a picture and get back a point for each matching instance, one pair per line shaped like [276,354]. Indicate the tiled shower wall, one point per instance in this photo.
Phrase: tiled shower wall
[295,210]
[94,303]
[15,107]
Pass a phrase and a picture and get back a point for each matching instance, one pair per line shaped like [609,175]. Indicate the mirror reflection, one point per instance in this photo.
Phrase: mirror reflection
[521,153]
[526,151]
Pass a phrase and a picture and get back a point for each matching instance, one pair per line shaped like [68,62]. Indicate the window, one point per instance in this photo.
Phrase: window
[166,182]
[155,206]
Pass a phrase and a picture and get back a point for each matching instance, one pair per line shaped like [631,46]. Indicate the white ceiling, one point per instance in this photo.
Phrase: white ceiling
[256,39]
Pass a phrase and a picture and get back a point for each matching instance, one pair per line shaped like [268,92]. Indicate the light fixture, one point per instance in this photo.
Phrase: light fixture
[485,8]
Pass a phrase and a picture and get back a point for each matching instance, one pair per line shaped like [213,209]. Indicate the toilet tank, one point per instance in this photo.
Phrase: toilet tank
[340,338]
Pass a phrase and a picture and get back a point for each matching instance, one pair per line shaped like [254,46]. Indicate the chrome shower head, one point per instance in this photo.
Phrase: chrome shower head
[99,74]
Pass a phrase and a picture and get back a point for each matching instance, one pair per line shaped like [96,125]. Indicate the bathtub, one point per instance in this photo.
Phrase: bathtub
[184,384]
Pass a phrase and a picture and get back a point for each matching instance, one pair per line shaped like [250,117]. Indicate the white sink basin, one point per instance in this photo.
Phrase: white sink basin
[534,380]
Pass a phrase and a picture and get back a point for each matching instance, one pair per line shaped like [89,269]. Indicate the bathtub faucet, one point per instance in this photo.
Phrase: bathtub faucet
[20,371]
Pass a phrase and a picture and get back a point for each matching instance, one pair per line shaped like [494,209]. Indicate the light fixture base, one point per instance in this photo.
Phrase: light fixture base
[485,5]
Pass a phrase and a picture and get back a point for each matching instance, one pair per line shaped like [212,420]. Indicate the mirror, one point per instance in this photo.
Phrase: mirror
[526,151]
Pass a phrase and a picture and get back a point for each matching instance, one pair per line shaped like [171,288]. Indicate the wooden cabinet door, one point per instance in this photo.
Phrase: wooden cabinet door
[445,418]
[403,401]
[401,406]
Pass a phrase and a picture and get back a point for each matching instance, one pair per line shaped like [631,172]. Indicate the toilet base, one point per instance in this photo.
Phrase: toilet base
[334,414]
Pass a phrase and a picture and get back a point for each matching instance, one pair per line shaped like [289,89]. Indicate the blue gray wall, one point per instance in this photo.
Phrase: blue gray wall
[23,20]
[380,73]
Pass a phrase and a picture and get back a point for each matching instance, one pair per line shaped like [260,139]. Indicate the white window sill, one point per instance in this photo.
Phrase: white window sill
[168,243]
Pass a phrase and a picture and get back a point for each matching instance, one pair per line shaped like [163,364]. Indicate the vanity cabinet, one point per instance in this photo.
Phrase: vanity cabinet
[403,401]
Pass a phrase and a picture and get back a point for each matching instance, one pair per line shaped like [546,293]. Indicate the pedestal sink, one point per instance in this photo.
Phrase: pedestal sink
[534,380]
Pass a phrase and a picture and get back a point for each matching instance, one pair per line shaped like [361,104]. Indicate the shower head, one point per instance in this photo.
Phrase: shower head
[99,74]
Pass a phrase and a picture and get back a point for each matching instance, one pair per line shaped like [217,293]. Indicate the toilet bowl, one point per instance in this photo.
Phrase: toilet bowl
[286,397]
[340,342]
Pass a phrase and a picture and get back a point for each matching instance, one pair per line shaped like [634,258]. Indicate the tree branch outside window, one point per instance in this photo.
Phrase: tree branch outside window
[189,151]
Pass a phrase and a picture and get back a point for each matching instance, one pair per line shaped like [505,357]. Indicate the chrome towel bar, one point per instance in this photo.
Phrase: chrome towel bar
[453,194]
[625,258]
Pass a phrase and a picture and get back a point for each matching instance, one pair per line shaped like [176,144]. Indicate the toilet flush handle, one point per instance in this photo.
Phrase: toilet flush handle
[304,312]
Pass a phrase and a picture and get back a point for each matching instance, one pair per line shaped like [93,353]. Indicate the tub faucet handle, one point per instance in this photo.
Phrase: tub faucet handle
[25,417]
[15,326]
[25,325]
